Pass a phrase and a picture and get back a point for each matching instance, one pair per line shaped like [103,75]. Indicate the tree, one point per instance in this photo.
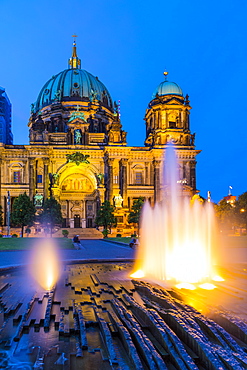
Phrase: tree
[51,214]
[23,212]
[225,214]
[105,216]
[240,210]
[135,213]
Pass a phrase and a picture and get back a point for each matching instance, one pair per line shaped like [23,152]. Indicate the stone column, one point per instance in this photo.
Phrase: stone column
[180,119]
[147,182]
[110,180]
[124,184]
[67,213]
[187,119]
[46,178]
[156,165]
[166,119]
[101,190]
[193,175]
[31,178]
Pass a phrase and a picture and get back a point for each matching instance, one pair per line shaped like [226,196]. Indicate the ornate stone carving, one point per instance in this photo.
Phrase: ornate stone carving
[77,183]
[77,158]
[76,114]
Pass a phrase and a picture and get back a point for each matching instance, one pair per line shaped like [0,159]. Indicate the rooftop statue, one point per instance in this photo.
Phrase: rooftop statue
[57,95]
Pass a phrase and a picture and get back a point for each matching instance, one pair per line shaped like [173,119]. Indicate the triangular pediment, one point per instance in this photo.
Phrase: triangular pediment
[77,115]
[174,101]
[77,121]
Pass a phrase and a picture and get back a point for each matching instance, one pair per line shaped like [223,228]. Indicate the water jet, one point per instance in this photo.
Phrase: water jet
[177,235]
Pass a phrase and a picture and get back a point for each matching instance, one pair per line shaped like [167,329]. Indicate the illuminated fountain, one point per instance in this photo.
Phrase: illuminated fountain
[45,264]
[177,236]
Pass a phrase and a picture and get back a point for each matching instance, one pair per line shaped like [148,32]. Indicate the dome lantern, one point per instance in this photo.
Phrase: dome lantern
[74,61]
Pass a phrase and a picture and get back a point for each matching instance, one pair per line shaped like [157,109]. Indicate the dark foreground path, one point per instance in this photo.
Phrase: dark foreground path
[90,249]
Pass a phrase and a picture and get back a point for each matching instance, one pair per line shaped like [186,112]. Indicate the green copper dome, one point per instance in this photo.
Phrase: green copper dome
[167,88]
[73,84]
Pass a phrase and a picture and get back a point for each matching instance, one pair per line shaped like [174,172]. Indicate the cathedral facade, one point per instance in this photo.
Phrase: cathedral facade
[78,151]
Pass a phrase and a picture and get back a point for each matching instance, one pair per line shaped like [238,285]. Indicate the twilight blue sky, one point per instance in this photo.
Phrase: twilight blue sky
[128,44]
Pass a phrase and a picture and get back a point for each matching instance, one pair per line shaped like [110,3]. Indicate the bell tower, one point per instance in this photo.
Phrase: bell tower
[168,122]
[167,117]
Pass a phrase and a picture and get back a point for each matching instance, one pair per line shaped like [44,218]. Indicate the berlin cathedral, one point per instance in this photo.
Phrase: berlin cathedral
[78,151]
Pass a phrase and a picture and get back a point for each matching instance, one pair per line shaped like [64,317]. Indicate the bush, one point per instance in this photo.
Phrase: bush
[119,235]
[65,233]
[28,230]
[133,235]
[105,232]
[14,236]
[1,235]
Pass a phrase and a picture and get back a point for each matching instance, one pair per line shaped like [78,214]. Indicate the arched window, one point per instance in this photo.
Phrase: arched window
[16,173]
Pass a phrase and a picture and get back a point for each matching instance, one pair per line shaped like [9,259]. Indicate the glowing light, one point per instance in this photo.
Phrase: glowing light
[177,237]
[217,278]
[45,266]
[207,286]
[138,274]
[49,280]
[186,286]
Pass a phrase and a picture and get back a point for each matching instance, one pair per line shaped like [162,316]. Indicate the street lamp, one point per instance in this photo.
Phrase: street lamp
[8,213]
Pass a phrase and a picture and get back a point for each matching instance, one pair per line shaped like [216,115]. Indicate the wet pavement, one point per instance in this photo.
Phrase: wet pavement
[97,318]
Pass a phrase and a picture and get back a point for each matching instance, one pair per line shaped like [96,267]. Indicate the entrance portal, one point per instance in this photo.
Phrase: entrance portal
[77,221]
[78,194]
[89,222]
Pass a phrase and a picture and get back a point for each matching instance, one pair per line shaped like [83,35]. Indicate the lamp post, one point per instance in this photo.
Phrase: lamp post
[8,213]
[242,211]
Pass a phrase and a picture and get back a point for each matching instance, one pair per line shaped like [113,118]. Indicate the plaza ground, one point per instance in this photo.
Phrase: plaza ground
[16,251]
[89,250]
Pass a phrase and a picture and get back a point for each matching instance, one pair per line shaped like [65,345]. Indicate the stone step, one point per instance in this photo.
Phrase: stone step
[89,233]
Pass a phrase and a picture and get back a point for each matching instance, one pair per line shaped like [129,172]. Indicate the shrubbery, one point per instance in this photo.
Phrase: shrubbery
[105,232]
[65,233]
